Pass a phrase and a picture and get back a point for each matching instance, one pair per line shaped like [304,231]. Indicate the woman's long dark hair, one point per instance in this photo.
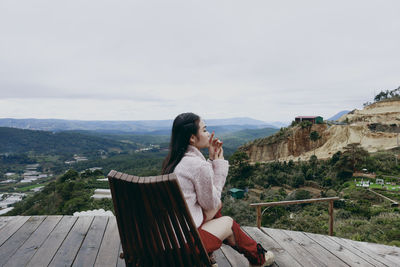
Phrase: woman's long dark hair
[184,126]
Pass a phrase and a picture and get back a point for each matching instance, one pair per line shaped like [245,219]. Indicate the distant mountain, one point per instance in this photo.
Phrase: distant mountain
[65,125]
[235,121]
[249,122]
[236,139]
[156,127]
[42,142]
[250,134]
[278,124]
[15,140]
[338,115]
[232,139]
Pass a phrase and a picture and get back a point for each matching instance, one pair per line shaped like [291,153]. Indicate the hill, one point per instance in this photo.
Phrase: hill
[71,191]
[43,142]
[68,193]
[20,141]
[232,140]
[375,128]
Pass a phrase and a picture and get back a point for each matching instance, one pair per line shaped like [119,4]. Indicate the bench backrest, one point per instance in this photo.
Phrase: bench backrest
[154,223]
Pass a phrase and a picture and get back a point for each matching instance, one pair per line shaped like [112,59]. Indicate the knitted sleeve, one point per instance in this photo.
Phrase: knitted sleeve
[220,168]
[208,194]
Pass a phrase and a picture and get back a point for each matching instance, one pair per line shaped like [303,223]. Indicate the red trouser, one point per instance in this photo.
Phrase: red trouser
[244,244]
[210,241]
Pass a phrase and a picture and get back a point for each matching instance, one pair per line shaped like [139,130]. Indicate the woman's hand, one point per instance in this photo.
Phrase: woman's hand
[214,148]
[220,153]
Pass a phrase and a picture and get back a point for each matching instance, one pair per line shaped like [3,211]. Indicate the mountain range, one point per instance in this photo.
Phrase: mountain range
[155,127]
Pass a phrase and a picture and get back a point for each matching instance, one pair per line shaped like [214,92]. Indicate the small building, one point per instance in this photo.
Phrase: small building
[365,183]
[236,193]
[101,193]
[379,181]
[313,119]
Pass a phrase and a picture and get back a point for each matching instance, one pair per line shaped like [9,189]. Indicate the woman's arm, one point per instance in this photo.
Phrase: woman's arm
[207,192]
[211,213]
[220,168]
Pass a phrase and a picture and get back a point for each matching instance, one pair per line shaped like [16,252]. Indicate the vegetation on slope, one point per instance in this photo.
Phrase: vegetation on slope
[386,95]
[361,215]
[41,142]
[68,193]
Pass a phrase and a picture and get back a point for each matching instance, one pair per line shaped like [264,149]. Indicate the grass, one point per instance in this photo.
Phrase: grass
[48,158]
[30,187]
[387,186]
[378,186]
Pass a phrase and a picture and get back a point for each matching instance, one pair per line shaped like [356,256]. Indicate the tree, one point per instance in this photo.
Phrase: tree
[239,158]
[313,164]
[71,174]
[302,194]
[387,94]
[298,181]
[306,124]
[335,158]
[240,168]
[314,136]
[357,154]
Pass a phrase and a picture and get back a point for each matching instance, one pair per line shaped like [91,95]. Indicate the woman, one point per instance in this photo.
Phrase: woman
[202,182]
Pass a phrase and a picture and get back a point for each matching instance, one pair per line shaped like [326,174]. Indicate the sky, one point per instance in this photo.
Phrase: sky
[151,60]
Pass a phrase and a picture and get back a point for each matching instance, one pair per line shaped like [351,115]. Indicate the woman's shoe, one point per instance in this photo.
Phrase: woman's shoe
[269,260]
[268,256]
[212,260]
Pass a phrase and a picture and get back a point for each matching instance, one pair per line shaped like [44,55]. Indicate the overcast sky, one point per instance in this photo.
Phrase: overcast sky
[143,60]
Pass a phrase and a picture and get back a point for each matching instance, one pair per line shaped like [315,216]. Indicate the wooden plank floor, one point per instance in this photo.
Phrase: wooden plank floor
[94,241]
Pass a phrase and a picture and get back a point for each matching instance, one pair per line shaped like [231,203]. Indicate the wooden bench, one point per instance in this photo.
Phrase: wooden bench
[154,222]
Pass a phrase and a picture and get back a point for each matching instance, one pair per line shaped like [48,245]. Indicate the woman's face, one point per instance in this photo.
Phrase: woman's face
[201,140]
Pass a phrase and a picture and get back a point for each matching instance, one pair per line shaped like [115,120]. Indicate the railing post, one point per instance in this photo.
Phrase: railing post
[331,218]
[258,217]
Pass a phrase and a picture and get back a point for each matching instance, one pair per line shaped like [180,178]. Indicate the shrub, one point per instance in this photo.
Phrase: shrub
[69,175]
[343,214]
[272,214]
[302,194]
[298,181]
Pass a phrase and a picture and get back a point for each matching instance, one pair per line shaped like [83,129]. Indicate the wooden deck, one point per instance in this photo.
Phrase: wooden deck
[87,241]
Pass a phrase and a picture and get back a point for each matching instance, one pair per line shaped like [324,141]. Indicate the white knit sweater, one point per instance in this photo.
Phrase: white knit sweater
[201,182]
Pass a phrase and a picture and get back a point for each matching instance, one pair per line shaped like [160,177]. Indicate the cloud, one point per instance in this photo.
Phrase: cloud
[267,60]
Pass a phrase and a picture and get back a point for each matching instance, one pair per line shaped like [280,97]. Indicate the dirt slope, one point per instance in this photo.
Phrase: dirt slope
[375,127]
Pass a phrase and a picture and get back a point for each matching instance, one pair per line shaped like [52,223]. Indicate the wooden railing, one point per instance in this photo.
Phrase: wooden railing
[282,203]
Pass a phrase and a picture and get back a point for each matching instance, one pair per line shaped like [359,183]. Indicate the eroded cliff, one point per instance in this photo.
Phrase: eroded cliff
[375,127]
